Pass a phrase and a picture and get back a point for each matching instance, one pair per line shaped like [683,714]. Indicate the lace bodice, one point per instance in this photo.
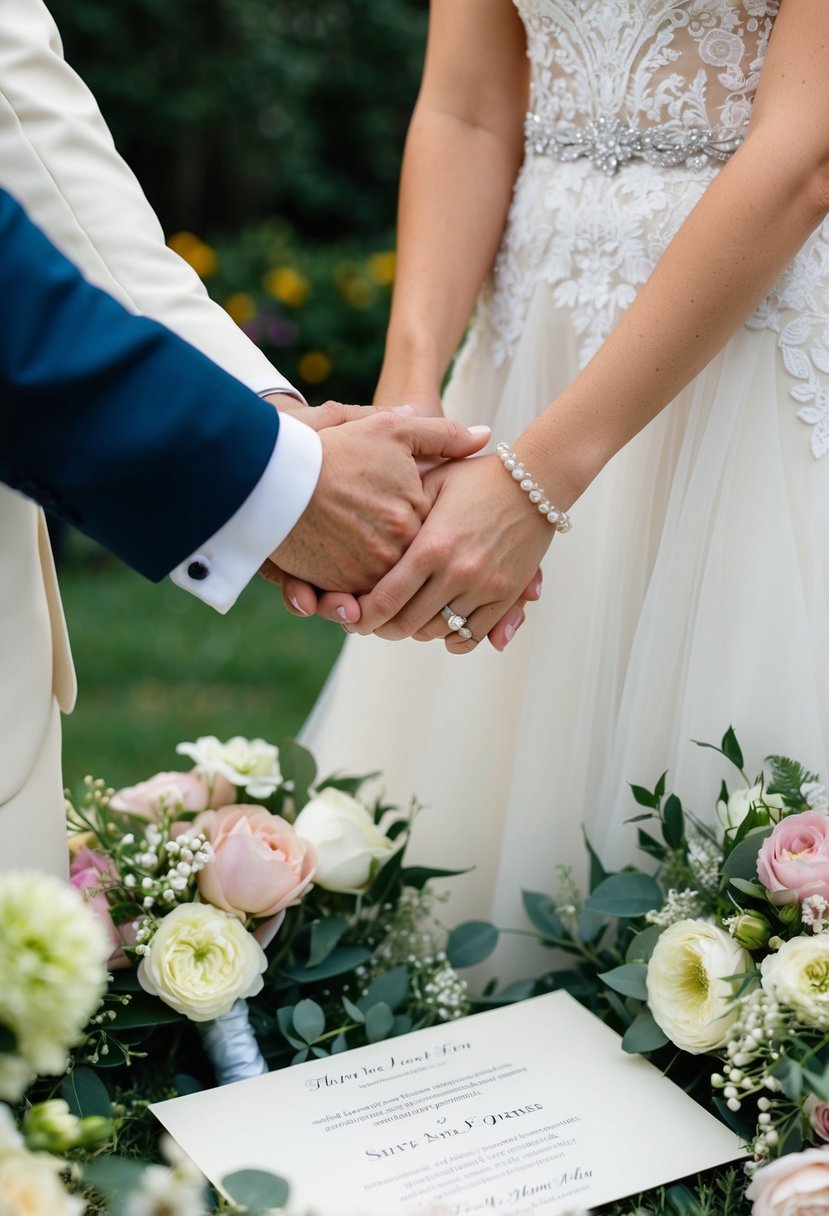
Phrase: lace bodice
[594,238]
[647,62]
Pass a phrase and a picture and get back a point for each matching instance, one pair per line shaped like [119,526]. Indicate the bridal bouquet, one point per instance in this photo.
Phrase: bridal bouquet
[717,964]
[197,874]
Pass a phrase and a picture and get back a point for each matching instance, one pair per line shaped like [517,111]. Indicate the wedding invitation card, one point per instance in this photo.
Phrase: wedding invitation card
[532,1108]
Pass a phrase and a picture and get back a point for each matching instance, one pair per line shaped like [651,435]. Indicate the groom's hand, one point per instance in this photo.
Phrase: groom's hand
[369,501]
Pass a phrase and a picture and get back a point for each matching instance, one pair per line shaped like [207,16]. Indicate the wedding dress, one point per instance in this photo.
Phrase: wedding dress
[692,591]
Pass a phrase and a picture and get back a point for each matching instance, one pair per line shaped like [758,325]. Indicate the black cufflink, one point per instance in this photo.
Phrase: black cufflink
[199,569]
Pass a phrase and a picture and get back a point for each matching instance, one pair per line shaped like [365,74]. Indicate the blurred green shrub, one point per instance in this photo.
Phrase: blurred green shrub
[228,109]
[318,311]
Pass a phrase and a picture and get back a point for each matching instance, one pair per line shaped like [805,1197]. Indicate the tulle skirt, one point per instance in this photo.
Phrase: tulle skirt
[690,595]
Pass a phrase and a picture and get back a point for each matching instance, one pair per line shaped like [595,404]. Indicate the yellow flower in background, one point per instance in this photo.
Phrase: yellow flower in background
[288,285]
[240,306]
[314,367]
[357,291]
[194,251]
[381,267]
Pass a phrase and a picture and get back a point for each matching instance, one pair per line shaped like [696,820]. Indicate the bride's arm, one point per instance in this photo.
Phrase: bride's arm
[463,150]
[481,541]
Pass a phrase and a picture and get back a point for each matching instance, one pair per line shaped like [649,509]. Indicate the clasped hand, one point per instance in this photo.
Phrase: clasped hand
[392,548]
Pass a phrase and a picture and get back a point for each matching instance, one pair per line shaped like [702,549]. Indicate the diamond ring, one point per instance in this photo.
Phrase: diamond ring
[456,622]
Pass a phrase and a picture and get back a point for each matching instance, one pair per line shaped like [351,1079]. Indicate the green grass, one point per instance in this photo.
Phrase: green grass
[155,666]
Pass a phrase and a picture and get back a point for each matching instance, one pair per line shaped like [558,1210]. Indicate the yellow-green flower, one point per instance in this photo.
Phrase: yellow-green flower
[381,267]
[314,367]
[288,285]
[53,973]
[195,252]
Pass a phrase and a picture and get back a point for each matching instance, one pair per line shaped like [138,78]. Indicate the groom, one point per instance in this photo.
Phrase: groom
[135,437]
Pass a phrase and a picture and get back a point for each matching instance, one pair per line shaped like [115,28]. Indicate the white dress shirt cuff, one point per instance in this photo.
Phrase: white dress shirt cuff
[225,564]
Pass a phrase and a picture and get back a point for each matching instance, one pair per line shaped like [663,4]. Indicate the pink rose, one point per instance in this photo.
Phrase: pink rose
[794,1185]
[818,1114]
[260,867]
[793,861]
[93,874]
[187,790]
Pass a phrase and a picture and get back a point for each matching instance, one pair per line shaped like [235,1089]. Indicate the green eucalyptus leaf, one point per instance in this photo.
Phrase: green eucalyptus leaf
[749,888]
[541,911]
[379,1022]
[642,946]
[790,1075]
[597,871]
[741,862]
[325,935]
[471,943]
[353,1011]
[629,979]
[628,894]
[339,961]
[392,988]
[643,1035]
[115,1178]
[308,1021]
[86,1093]
[256,1189]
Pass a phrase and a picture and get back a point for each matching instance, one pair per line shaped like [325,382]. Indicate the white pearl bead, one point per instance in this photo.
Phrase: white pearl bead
[509,464]
[527,483]
[535,496]
[553,516]
[545,506]
[518,472]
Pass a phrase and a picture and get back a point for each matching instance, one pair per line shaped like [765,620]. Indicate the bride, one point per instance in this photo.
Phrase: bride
[651,340]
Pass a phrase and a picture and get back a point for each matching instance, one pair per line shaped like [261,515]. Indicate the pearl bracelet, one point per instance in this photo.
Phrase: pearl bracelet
[559,519]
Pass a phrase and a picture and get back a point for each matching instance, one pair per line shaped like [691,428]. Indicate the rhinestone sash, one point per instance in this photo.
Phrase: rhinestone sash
[610,143]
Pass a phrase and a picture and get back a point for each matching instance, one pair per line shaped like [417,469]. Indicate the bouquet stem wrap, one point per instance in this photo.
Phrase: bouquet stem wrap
[231,1045]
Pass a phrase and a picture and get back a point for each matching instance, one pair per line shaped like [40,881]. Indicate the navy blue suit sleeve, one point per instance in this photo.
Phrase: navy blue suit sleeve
[109,420]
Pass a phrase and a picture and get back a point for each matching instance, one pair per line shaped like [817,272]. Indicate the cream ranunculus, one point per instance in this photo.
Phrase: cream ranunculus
[794,1185]
[346,839]
[30,1183]
[688,992]
[201,960]
[732,813]
[797,975]
[250,764]
[53,973]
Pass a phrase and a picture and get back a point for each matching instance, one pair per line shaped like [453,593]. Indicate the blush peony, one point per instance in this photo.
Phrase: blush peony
[794,1185]
[260,864]
[793,861]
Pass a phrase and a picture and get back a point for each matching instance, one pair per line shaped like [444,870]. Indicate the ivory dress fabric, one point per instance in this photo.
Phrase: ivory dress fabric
[692,592]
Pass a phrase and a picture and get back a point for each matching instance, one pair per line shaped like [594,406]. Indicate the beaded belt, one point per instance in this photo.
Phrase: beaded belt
[610,143]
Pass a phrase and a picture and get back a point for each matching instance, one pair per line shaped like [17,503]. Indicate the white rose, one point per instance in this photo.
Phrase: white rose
[814,793]
[346,839]
[251,764]
[30,1185]
[688,992]
[201,960]
[732,813]
[797,975]
[795,1185]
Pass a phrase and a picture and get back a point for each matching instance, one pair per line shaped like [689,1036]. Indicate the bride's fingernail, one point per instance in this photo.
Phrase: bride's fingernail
[479,430]
[511,627]
[341,613]
[296,607]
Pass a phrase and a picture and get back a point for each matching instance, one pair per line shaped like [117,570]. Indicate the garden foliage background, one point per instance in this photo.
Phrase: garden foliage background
[267,135]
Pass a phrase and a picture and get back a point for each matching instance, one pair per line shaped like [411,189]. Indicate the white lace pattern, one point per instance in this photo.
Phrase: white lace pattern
[594,239]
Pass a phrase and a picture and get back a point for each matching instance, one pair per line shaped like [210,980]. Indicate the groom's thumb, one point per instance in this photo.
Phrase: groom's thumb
[442,439]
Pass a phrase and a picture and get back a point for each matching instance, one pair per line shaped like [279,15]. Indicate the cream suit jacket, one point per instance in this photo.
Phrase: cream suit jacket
[57,157]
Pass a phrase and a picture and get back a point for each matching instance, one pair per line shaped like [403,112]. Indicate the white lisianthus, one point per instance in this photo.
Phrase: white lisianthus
[53,973]
[815,795]
[346,839]
[689,993]
[732,813]
[250,764]
[797,975]
[201,960]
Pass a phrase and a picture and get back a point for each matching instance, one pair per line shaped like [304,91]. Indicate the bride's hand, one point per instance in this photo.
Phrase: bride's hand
[477,550]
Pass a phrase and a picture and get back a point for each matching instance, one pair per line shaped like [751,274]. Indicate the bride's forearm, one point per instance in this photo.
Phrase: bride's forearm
[463,151]
[455,192]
